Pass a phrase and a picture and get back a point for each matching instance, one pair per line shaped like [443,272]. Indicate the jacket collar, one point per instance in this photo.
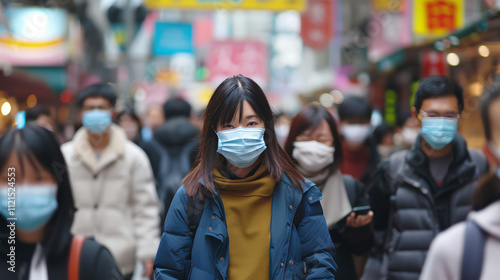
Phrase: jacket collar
[114,150]
[461,167]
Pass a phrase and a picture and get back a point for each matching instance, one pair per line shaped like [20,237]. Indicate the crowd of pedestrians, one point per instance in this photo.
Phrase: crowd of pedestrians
[249,194]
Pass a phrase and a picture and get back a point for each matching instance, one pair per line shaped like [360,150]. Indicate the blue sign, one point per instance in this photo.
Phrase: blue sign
[171,38]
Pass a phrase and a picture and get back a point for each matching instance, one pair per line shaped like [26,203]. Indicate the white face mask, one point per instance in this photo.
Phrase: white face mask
[312,156]
[409,135]
[356,133]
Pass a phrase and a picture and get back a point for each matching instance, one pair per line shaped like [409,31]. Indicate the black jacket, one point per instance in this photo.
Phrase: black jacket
[180,145]
[349,240]
[411,209]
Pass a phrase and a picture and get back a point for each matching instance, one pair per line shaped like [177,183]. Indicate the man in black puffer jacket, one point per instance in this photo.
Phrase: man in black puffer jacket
[418,193]
[178,137]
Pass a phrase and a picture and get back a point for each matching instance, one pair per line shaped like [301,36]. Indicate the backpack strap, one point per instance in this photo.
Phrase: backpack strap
[474,243]
[195,211]
[74,257]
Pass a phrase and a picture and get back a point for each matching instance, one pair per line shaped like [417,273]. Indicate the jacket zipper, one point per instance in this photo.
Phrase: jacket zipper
[425,193]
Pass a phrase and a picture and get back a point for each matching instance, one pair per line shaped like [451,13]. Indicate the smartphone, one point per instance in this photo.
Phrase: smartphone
[361,210]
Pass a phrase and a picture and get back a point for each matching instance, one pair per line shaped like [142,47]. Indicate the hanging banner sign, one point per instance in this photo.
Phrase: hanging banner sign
[273,5]
[317,23]
[437,17]
[433,63]
[229,58]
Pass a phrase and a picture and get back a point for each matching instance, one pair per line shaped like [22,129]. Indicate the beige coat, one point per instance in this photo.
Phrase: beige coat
[444,259]
[115,197]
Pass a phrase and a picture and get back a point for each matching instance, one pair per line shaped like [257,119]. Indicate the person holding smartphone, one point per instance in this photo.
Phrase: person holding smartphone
[315,147]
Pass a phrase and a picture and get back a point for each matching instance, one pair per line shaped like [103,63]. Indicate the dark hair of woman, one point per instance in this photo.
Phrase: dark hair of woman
[488,97]
[227,98]
[34,142]
[310,117]
[487,192]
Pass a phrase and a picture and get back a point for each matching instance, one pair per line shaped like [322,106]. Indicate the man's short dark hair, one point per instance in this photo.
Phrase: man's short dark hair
[176,107]
[105,90]
[355,107]
[438,86]
[32,114]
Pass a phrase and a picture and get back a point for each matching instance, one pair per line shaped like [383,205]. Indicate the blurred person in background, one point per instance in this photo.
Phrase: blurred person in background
[460,251]
[34,176]
[315,146]
[419,192]
[384,138]
[41,116]
[219,224]
[491,121]
[406,132]
[358,146]
[152,120]
[131,124]
[282,127]
[178,137]
[112,183]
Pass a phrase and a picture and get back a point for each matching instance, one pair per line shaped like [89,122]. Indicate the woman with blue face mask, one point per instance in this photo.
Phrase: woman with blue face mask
[36,213]
[244,212]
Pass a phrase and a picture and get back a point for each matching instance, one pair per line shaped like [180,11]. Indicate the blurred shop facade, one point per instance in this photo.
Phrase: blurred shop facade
[299,51]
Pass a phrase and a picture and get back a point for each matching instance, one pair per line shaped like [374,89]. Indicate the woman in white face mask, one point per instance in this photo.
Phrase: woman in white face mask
[244,211]
[314,145]
[36,214]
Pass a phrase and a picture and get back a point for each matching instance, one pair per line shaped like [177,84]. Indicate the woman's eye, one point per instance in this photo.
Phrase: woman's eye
[228,126]
[252,124]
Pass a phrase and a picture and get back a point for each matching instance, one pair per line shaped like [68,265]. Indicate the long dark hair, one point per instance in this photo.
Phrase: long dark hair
[227,98]
[491,95]
[37,143]
[310,117]
[487,192]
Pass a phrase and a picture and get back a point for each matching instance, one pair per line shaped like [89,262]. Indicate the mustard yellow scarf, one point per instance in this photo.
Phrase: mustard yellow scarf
[247,205]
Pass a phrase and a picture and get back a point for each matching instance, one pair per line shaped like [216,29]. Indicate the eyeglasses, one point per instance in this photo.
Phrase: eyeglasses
[451,115]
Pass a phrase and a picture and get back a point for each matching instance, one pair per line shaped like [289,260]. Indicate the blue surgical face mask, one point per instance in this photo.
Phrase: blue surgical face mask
[439,131]
[96,121]
[241,146]
[33,207]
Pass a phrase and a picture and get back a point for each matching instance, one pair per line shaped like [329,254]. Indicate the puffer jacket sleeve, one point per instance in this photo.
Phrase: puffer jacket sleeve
[146,211]
[174,251]
[317,246]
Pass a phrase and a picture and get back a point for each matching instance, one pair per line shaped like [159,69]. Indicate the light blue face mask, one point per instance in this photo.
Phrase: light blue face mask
[96,121]
[439,131]
[33,208]
[241,146]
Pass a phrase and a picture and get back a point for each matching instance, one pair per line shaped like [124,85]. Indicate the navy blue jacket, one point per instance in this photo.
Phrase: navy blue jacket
[303,253]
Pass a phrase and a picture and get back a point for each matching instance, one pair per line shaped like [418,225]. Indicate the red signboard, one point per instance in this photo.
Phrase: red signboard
[433,64]
[317,23]
[441,15]
[228,58]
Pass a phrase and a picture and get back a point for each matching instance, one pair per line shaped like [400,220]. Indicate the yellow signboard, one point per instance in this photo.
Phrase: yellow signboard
[272,5]
[437,17]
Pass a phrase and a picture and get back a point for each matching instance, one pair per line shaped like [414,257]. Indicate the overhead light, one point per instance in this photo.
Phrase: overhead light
[338,96]
[31,101]
[326,100]
[6,108]
[483,51]
[453,59]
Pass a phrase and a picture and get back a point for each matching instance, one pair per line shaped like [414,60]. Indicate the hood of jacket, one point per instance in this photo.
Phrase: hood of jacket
[488,219]
[175,132]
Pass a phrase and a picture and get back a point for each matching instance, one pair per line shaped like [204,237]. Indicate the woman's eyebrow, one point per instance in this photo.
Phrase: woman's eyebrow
[251,116]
